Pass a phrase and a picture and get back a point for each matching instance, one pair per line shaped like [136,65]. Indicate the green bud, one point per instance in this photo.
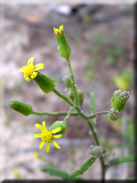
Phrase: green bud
[46,83]
[63,46]
[115,95]
[81,96]
[23,108]
[96,150]
[67,81]
[113,114]
[59,124]
[120,101]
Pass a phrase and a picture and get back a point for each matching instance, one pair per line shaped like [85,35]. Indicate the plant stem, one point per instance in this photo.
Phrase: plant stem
[97,114]
[73,83]
[63,97]
[97,142]
[69,114]
[53,113]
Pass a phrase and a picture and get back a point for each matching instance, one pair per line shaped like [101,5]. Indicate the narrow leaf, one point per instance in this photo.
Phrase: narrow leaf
[59,173]
[83,167]
[122,160]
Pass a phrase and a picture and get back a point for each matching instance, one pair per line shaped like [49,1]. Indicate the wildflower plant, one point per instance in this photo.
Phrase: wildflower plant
[74,97]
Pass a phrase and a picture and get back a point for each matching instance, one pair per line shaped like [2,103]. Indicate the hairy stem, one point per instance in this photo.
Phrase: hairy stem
[97,114]
[73,83]
[63,97]
[97,142]
[69,114]
[53,113]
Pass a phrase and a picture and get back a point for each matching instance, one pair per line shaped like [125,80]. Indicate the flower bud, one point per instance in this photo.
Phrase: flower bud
[46,83]
[120,101]
[67,81]
[81,96]
[23,108]
[59,124]
[115,95]
[113,114]
[96,150]
[63,46]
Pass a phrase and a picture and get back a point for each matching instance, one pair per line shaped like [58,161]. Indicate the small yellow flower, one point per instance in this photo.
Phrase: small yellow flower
[47,136]
[30,71]
[59,30]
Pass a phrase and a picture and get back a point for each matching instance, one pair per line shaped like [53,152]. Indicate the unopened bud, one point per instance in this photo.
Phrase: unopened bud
[120,101]
[23,108]
[96,150]
[63,46]
[46,83]
[59,124]
[81,96]
[67,81]
[113,114]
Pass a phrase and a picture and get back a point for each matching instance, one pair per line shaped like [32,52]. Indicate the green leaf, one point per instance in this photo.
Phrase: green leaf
[92,107]
[83,167]
[122,160]
[53,171]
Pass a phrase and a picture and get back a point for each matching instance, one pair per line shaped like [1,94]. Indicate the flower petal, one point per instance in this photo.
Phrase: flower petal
[34,75]
[22,69]
[47,147]
[56,130]
[39,66]
[37,135]
[39,126]
[30,61]
[41,144]
[57,136]
[44,125]
[56,145]
[27,78]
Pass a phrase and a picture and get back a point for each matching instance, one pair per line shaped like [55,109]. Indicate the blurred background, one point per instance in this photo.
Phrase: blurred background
[101,39]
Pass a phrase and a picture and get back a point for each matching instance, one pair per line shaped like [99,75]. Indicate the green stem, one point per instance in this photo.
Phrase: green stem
[73,83]
[63,97]
[69,114]
[97,114]
[53,113]
[97,142]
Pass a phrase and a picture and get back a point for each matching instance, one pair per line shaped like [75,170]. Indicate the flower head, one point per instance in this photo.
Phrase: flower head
[59,30]
[30,71]
[47,136]
[64,49]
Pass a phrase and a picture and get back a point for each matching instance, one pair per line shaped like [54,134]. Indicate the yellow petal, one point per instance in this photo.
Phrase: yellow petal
[27,78]
[57,136]
[41,144]
[30,61]
[39,66]
[61,28]
[34,75]
[37,135]
[56,130]
[44,125]
[39,126]
[22,69]
[47,147]
[56,145]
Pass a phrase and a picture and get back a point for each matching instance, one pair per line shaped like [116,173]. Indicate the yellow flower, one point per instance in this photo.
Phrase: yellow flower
[30,71]
[47,136]
[59,31]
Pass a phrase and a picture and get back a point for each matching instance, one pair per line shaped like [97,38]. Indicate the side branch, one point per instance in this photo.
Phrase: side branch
[53,113]
[97,114]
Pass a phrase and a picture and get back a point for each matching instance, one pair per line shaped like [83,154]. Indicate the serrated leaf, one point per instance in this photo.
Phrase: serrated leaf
[53,171]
